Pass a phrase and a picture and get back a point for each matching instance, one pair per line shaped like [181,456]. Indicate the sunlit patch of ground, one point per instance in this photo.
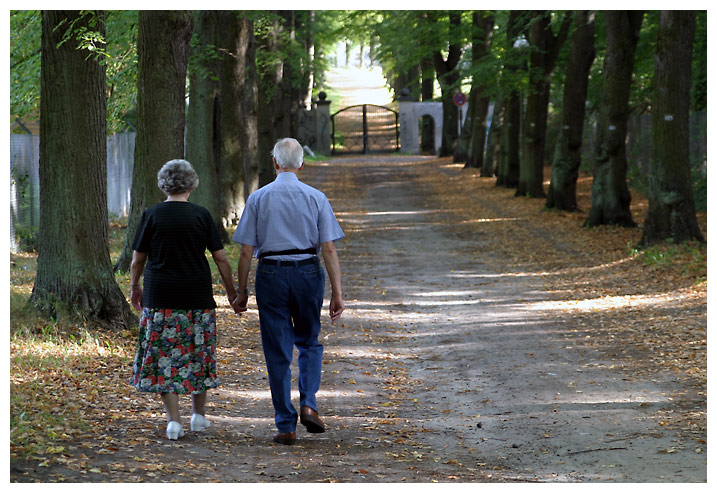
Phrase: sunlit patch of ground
[359,86]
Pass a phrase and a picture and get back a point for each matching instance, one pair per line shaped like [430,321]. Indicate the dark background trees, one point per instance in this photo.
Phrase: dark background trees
[531,73]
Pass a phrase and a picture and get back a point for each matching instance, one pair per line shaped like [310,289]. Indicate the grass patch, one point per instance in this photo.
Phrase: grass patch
[688,258]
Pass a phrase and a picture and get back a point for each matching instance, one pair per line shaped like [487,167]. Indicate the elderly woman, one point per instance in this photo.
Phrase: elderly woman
[177,336]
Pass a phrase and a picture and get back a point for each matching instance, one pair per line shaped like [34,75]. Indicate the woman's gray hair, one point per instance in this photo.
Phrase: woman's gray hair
[288,153]
[177,177]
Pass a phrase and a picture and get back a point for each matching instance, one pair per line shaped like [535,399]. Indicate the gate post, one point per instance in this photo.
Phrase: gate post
[323,125]
[409,126]
[365,130]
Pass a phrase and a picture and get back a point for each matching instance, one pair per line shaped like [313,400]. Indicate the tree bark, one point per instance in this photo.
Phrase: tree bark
[269,82]
[491,160]
[251,108]
[74,273]
[610,202]
[482,38]
[671,212]
[545,48]
[235,42]
[162,56]
[448,78]
[562,193]
[509,151]
[204,116]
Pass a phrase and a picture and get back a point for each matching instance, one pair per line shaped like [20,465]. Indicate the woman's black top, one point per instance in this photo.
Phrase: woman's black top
[175,236]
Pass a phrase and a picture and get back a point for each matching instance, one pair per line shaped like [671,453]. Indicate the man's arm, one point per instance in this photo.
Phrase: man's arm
[331,261]
[247,252]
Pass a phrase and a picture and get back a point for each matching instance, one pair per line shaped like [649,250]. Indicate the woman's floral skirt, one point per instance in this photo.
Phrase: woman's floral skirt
[176,351]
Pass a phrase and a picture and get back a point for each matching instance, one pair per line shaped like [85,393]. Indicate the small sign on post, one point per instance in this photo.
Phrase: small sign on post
[459,99]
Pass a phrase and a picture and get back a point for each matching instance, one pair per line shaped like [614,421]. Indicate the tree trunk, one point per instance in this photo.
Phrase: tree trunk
[74,273]
[671,213]
[233,116]
[162,56]
[269,83]
[610,195]
[448,78]
[490,163]
[204,117]
[290,96]
[566,165]
[509,155]
[482,38]
[543,56]
[251,108]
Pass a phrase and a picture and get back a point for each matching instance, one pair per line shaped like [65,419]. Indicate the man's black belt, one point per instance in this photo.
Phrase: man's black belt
[289,263]
[294,251]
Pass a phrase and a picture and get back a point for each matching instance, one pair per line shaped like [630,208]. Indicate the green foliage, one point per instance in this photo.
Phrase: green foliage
[699,64]
[87,38]
[121,64]
[642,87]
[25,49]
[119,55]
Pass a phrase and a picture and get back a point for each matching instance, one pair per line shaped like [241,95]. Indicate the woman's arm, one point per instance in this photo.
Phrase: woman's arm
[135,270]
[225,271]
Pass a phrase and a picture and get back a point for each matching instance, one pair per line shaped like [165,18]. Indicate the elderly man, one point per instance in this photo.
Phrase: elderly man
[286,224]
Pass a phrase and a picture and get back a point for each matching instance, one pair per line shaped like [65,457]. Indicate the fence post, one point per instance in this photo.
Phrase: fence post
[322,124]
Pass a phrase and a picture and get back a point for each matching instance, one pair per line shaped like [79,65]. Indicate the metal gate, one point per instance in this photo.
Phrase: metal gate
[365,128]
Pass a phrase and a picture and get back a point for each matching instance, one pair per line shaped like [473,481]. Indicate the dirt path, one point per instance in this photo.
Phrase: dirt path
[494,386]
[444,368]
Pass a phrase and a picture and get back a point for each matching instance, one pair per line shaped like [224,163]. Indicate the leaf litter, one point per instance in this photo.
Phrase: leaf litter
[74,417]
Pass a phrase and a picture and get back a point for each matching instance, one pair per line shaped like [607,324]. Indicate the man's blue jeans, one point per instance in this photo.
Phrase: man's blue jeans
[289,298]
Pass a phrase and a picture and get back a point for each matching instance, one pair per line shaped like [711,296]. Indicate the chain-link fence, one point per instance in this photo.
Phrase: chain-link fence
[25,184]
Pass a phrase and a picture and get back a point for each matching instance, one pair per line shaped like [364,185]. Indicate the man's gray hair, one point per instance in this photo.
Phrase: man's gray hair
[177,177]
[288,153]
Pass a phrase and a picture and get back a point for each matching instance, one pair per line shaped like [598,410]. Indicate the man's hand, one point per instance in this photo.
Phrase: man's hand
[336,308]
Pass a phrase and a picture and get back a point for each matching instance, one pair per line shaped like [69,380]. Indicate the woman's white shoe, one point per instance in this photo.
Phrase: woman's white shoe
[174,430]
[199,422]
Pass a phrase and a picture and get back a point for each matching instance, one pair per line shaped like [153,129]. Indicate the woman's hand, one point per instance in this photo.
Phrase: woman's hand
[136,297]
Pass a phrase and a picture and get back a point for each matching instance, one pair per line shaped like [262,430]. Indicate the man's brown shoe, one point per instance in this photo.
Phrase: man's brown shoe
[310,419]
[288,438]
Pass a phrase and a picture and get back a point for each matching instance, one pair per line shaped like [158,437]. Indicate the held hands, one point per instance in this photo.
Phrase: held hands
[239,303]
